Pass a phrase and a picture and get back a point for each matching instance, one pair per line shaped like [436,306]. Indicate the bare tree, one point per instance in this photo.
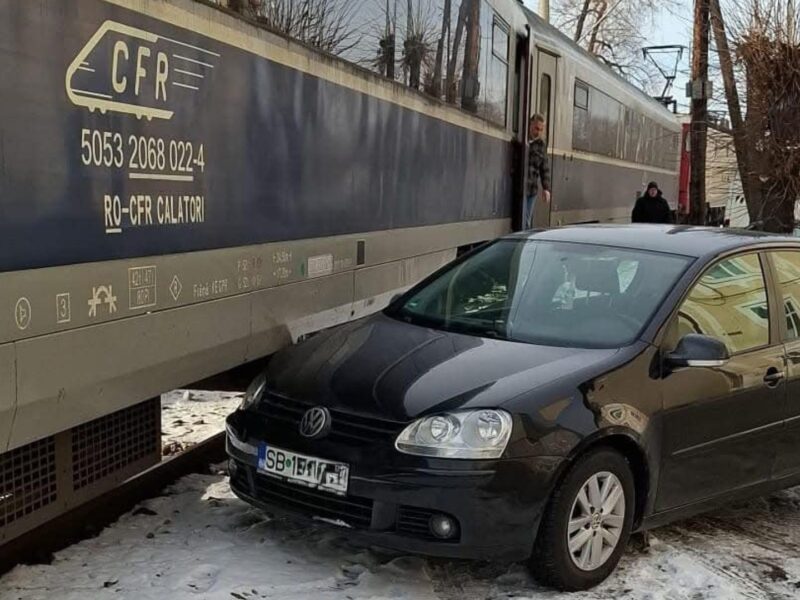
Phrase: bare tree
[324,24]
[436,83]
[386,56]
[613,30]
[581,20]
[451,88]
[726,62]
[470,81]
[418,43]
[767,50]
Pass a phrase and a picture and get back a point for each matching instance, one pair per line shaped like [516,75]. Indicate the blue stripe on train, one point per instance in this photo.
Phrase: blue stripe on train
[286,155]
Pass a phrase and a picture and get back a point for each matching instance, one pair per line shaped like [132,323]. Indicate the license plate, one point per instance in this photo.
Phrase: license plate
[305,470]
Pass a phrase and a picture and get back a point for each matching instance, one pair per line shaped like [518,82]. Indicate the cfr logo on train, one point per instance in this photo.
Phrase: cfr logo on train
[127,70]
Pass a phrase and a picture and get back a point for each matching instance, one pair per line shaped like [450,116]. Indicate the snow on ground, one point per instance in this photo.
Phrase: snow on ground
[191,416]
[199,542]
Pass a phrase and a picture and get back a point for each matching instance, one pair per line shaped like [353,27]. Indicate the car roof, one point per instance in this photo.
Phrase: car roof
[684,240]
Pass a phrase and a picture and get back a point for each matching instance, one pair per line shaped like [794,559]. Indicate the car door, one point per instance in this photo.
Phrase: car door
[786,269]
[721,424]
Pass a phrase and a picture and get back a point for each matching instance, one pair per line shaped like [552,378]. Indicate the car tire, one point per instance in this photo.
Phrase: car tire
[570,558]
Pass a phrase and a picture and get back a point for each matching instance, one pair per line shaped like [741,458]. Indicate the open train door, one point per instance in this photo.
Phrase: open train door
[543,93]
[520,126]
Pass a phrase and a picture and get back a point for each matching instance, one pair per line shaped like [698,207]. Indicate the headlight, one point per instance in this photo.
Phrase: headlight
[254,392]
[471,434]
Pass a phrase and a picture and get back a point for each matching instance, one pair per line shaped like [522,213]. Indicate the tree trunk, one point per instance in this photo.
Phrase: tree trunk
[749,187]
[771,207]
[451,67]
[392,40]
[236,5]
[582,21]
[436,85]
[469,81]
[414,70]
[409,36]
[601,15]
[389,41]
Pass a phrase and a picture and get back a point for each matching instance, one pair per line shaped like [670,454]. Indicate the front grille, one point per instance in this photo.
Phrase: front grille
[239,480]
[353,510]
[27,480]
[415,522]
[347,428]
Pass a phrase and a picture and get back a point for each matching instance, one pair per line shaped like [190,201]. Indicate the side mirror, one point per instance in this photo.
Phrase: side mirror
[696,350]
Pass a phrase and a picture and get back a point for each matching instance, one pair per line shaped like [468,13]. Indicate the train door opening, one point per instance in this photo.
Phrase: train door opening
[520,129]
[542,97]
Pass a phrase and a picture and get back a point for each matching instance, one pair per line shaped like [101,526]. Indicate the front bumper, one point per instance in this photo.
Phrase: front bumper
[497,504]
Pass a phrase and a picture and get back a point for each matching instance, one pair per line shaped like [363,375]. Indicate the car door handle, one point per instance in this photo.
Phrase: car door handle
[774,377]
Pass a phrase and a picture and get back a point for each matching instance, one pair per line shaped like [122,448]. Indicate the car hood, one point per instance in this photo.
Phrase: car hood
[388,368]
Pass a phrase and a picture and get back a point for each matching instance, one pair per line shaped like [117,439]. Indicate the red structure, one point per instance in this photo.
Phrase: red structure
[685,171]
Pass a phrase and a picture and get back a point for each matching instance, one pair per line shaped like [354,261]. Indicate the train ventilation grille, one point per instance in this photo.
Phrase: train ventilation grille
[27,480]
[106,445]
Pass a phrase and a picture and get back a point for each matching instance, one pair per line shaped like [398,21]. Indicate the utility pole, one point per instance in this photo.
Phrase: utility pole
[699,129]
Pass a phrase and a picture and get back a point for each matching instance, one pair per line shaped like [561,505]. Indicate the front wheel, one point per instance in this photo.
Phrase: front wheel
[587,523]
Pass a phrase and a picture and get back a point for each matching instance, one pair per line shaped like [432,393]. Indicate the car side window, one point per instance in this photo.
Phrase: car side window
[729,303]
[787,268]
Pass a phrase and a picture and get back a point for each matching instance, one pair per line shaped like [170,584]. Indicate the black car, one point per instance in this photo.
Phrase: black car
[541,398]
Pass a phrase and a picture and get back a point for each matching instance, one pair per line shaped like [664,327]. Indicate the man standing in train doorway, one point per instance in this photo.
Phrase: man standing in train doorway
[538,169]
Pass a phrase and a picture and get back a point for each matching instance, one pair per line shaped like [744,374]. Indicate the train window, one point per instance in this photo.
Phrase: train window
[492,100]
[602,125]
[500,40]
[581,95]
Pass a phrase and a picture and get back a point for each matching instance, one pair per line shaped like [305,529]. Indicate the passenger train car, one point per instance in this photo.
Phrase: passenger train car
[184,191]
[607,139]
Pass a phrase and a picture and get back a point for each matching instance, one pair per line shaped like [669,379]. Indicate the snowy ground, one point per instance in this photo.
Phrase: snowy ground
[191,416]
[199,542]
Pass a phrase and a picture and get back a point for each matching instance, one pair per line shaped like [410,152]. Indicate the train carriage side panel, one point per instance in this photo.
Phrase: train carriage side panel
[608,142]
[248,147]
[187,192]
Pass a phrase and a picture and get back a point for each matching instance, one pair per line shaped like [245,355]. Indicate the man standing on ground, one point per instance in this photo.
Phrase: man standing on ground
[538,168]
[651,207]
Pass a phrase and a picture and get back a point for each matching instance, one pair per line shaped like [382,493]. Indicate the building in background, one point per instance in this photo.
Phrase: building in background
[724,195]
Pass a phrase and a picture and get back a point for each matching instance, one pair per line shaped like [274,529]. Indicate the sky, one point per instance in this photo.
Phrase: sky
[672,25]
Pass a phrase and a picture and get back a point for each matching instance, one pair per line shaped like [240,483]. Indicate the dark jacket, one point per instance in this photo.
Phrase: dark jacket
[651,210]
[538,167]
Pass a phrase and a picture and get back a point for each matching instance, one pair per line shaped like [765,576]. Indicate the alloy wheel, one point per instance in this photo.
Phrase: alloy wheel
[596,521]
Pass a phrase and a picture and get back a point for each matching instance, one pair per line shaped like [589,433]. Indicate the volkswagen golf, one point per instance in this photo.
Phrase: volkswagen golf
[540,399]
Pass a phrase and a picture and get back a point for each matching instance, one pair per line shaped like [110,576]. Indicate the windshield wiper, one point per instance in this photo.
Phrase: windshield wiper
[478,329]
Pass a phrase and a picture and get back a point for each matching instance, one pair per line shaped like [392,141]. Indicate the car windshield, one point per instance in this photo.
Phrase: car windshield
[549,293]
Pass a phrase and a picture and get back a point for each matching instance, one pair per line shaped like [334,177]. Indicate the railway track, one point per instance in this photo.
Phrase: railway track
[39,545]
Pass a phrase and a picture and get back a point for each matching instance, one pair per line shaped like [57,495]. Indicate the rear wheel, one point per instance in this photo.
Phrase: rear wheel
[587,523]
